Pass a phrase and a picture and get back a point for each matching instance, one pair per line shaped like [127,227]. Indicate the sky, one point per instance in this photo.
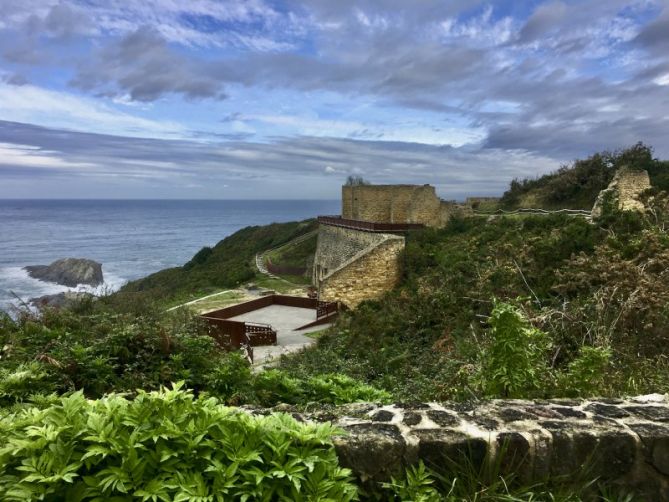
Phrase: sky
[220,99]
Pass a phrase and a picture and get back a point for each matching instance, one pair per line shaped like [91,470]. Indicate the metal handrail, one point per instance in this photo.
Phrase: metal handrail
[369,226]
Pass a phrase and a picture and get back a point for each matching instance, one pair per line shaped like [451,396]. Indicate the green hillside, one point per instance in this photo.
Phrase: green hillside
[523,306]
[228,264]
[576,186]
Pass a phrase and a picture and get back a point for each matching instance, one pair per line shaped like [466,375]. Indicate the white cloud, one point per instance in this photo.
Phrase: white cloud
[29,103]
[30,156]
[662,80]
[405,131]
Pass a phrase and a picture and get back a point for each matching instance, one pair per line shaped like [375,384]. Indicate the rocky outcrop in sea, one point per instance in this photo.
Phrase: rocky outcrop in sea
[68,272]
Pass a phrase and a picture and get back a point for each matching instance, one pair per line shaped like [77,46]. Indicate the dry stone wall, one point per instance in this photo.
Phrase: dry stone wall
[623,442]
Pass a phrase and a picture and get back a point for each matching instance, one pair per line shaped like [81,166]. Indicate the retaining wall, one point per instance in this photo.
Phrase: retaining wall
[620,442]
[337,245]
[353,265]
[366,276]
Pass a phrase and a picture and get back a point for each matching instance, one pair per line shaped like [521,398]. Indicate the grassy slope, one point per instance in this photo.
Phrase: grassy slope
[295,255]
[226,265]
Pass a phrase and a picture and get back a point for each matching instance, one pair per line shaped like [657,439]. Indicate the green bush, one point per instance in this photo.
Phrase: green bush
[161,446]
[578,185]
[514,362]
[274,386]
[586,374]
[102,351]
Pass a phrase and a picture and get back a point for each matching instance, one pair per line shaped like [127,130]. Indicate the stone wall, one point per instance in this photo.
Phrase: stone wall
[365,275]
[623,191]
[621,442]
[337,245]
[392,204]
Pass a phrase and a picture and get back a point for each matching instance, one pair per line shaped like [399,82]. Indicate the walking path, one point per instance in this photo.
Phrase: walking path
[200,299]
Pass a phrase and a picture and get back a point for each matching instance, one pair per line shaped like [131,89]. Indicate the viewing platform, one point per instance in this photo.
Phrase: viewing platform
[369,226]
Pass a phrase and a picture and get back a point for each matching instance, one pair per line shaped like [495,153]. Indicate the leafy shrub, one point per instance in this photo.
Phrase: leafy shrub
[164,445]
[19,383]
[417,485]
[231,379]
[513,364]
[103,351]
[585,375]
[274,386]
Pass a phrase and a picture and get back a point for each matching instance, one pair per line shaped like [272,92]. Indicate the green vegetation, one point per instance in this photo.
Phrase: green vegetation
[286,261]
[162,446]
[513,307]
[490,483]
[97,350]
[228,264]
[534,306]
[577,186]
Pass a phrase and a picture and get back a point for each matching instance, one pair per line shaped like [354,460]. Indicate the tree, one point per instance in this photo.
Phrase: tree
[355,180]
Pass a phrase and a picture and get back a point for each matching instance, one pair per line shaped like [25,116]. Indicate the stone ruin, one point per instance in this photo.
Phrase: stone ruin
[624,442]
[623,191]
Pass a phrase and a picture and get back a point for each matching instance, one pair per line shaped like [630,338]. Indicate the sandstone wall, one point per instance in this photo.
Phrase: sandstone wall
[623,191]
[366,275]
[621,442]
[392,204]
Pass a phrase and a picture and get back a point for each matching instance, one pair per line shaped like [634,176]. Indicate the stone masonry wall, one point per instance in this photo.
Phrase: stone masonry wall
[621,442]
[338,245]
[392,204]
[624,191]
[366,276]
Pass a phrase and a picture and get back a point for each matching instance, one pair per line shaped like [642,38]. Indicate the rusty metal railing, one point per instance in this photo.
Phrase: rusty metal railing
[368,226]
[325,309]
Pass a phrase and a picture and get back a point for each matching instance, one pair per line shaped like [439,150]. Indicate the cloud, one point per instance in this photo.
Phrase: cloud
[558,80]
[655,35]
[30,103]
[544,20]
[143,66]
[271,170]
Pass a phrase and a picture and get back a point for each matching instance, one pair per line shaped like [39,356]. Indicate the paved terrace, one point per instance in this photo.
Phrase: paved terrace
[284,320]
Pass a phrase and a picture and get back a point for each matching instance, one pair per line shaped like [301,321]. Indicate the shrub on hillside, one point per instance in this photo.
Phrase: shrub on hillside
[598,291]
[102,351]
[576,186]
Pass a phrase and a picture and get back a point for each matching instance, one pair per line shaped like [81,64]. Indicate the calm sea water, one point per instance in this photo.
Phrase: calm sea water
[131,238]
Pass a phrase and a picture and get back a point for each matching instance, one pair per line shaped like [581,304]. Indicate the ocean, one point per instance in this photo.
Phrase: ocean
[131,238]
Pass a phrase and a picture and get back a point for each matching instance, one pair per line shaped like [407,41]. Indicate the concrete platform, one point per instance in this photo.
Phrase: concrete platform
[284,320]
